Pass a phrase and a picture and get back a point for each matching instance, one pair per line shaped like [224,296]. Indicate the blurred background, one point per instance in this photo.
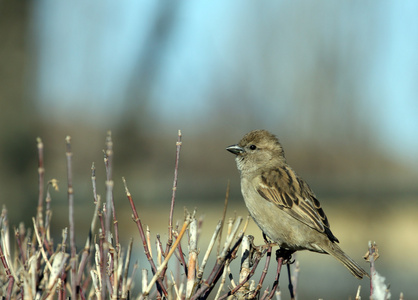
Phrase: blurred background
[337,82]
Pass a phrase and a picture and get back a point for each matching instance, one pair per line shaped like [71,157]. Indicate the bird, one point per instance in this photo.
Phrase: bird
[281,203]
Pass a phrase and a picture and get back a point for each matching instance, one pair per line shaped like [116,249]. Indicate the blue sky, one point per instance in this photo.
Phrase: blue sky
[396,77]
[86,52]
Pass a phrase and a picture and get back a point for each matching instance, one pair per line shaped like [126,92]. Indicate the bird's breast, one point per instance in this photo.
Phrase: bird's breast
[276,223]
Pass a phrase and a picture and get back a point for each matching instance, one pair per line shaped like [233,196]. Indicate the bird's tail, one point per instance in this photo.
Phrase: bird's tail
[347,261]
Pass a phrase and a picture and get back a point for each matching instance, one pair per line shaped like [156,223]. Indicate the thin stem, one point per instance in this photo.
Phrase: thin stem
[88,245]
[160,246]
[208,251]
[223,217]
[192,263]
[358,293]
[70,190]
[19,245]
[295,278]
[181,257]
[214,276]
[221,285]
[48,213]
[276,280]
[371,256]
[233,291]
[138,222]
[264,273]
[165,262]
[173,195]
[38,237]
[93,182]
[109,186]
[110,206]
[290,286]
[125,289]
[148,238]
[10,287]
[41,173]
[246,257]
[175,286]
[8,273]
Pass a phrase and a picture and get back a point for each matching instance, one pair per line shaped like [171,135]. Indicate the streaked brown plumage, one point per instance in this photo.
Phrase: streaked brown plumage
[281,203]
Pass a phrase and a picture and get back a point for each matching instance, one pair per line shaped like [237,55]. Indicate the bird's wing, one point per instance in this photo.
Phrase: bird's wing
[290,193]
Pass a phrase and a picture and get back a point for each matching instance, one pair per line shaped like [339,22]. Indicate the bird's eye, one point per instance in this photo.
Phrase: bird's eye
[253,147]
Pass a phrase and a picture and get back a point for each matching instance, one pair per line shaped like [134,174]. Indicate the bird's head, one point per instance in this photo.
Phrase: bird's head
[257,149]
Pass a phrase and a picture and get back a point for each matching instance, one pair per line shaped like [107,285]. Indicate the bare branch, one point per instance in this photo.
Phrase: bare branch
[192,265]
[165,262]
[173,195]
[223,217]
[138,222]
[41,173]
[70,192]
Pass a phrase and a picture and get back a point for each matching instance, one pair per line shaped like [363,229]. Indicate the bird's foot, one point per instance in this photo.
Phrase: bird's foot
[268,242]
[268,245]
[286,255]
[262,249]
[266,239]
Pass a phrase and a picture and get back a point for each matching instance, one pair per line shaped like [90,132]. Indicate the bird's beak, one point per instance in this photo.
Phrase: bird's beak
[235,149]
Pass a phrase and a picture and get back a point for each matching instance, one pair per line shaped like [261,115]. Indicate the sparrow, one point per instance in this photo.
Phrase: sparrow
[282,203]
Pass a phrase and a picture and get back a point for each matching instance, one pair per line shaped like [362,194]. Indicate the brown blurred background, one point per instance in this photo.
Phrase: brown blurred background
[337,82]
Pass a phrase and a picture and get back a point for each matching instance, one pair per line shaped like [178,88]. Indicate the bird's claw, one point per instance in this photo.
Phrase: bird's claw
[268,242]
[286,255]
[266,239]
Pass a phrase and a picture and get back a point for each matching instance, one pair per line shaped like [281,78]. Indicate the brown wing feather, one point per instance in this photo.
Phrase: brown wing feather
[290,193]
